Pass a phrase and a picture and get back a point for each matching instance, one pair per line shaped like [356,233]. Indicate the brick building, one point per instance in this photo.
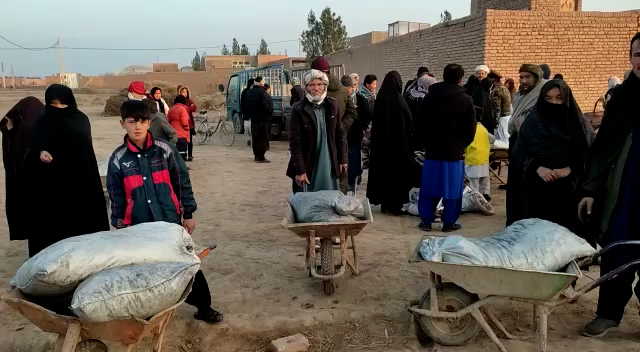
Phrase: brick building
[239,61]
[586,47]
[165,67]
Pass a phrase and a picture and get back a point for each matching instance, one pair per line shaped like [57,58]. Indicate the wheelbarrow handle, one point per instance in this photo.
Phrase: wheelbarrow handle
[610,275]
[609,248]
[207,251]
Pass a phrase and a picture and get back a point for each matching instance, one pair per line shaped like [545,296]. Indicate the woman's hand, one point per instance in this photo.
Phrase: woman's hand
[562,173]
[547,175]
[46,157]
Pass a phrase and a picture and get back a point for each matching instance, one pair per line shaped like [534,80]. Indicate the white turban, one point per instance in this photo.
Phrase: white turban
[613,82]
[355,77]
[312,75]
[484,68]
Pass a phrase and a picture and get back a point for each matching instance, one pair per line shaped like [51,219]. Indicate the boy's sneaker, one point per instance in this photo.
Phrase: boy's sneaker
[599,327]
[209,315]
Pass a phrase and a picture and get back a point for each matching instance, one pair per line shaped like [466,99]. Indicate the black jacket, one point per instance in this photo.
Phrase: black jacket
[447,122]
[303,135]
[243,101]
[365,114]
[258,105]
[297,94]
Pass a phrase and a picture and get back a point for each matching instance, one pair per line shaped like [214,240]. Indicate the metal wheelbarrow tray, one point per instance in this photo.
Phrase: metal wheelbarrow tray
[326,232]
[452,313]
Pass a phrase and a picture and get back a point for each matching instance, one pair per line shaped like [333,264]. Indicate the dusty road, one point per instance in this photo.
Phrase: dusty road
[257,273]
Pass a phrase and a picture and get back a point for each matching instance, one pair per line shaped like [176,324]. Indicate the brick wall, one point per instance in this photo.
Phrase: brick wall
[460,41]
[586,47]
[481,5]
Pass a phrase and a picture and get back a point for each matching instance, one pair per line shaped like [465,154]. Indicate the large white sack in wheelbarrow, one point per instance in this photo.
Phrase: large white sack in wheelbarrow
[59,268]
[531,244]
[139,291]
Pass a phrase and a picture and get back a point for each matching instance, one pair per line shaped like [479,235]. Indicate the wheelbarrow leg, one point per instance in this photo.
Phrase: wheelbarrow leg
[68,342]
[543,314]
[158,333]
[487,329]
[353,265]
[311,250]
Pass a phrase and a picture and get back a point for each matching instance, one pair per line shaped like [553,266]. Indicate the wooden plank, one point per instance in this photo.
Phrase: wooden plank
[71,338]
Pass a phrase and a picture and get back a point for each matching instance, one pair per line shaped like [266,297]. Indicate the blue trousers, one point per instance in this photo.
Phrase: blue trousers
[427,208]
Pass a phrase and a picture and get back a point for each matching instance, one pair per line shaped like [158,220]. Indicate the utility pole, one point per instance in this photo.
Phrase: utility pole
[4,82]
[60,60]
[13,78]
[299,47]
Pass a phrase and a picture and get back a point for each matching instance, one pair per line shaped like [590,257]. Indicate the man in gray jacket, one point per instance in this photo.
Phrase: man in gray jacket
[159,125]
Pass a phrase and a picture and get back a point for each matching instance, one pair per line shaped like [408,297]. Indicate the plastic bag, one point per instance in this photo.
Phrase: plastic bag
[325,206]
[59,268]
[531,244]
[412,206]
[502,130]
[139,291]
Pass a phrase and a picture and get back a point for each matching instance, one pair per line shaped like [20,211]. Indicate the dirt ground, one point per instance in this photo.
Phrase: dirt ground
[257,273]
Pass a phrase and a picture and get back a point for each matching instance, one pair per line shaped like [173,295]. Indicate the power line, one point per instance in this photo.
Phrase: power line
[53,46]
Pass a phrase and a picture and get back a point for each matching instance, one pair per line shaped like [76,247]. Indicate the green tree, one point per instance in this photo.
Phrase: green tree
[196,63]
[203,67]
[264,48]
[325,35]
[445,16]
[225,50]
[235,47]
[244,50]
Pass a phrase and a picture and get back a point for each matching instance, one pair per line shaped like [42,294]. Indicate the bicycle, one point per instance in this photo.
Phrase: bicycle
[204,131]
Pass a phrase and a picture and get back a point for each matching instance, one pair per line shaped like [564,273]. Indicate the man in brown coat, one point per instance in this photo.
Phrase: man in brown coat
[316,138]
[347,109]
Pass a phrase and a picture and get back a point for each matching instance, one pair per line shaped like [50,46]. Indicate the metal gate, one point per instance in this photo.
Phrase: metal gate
[336,70]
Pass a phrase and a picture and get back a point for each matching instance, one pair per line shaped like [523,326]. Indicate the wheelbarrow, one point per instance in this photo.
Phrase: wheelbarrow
[452,313]
[77,335]
[327,232]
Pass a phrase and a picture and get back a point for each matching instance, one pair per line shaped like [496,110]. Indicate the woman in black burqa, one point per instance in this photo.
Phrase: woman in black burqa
[549,158]
[17,127]
[391,166]
[63,190]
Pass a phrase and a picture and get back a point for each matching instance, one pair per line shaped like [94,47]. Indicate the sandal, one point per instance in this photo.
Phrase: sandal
[210,316]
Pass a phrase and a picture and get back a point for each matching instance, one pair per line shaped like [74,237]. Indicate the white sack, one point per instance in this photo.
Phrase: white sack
[412,206]
[531,244]
[59,268]
[502,130]
[139,291]
[325,206]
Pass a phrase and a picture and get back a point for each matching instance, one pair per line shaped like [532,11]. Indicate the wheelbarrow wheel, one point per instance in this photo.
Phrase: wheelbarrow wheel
[446,331]
[91,346]
[326,260]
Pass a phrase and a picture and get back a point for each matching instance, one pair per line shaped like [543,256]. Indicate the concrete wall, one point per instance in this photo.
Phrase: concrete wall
[586,47]
[364,60]
[368,38]
[460,41]
[198,82]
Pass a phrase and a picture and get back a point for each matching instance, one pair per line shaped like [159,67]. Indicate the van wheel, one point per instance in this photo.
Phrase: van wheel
[238,124]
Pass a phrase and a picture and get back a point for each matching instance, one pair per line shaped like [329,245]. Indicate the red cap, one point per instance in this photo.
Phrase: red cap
[136,87]
[321,64]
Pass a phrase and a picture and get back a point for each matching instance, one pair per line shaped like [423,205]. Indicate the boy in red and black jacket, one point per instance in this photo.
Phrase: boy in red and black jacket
[148,181]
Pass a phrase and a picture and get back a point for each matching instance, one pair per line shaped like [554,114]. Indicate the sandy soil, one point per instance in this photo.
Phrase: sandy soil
[257,273]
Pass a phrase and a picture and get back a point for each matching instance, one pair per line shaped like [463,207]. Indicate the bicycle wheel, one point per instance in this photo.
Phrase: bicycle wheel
[227,135]
[202,133]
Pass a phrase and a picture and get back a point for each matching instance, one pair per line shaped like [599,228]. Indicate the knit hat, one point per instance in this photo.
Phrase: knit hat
[136,87]
[321,64]
[532,69]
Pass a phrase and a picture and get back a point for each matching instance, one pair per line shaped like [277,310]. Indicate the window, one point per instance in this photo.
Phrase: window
[241,64]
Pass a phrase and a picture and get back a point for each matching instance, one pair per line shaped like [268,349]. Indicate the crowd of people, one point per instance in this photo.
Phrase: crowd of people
[556,162]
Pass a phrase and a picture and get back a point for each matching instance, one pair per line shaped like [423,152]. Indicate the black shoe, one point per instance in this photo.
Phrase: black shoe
[599,327]
[424,226]
[503,187]
[189,159]
[399,213]
[451,228]
[487,197]
[209,315]
[263,161]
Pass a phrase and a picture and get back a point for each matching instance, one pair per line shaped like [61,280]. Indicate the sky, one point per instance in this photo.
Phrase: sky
[202,24]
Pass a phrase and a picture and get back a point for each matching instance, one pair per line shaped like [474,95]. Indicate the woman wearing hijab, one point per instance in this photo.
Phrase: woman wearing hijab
[391,167]
[415,95]
[482,99]
[472,83]
[548,158]
[16,128]
[156,95]
[63,187]
[191,106]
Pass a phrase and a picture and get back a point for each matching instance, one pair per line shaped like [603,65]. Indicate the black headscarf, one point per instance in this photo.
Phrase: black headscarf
[482,98]
[472,83]
[66,193]
[24,115]
[180,99]
[391,164]
[159,101]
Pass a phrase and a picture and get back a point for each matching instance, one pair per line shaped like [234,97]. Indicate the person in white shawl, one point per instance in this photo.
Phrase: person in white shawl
[531,83]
